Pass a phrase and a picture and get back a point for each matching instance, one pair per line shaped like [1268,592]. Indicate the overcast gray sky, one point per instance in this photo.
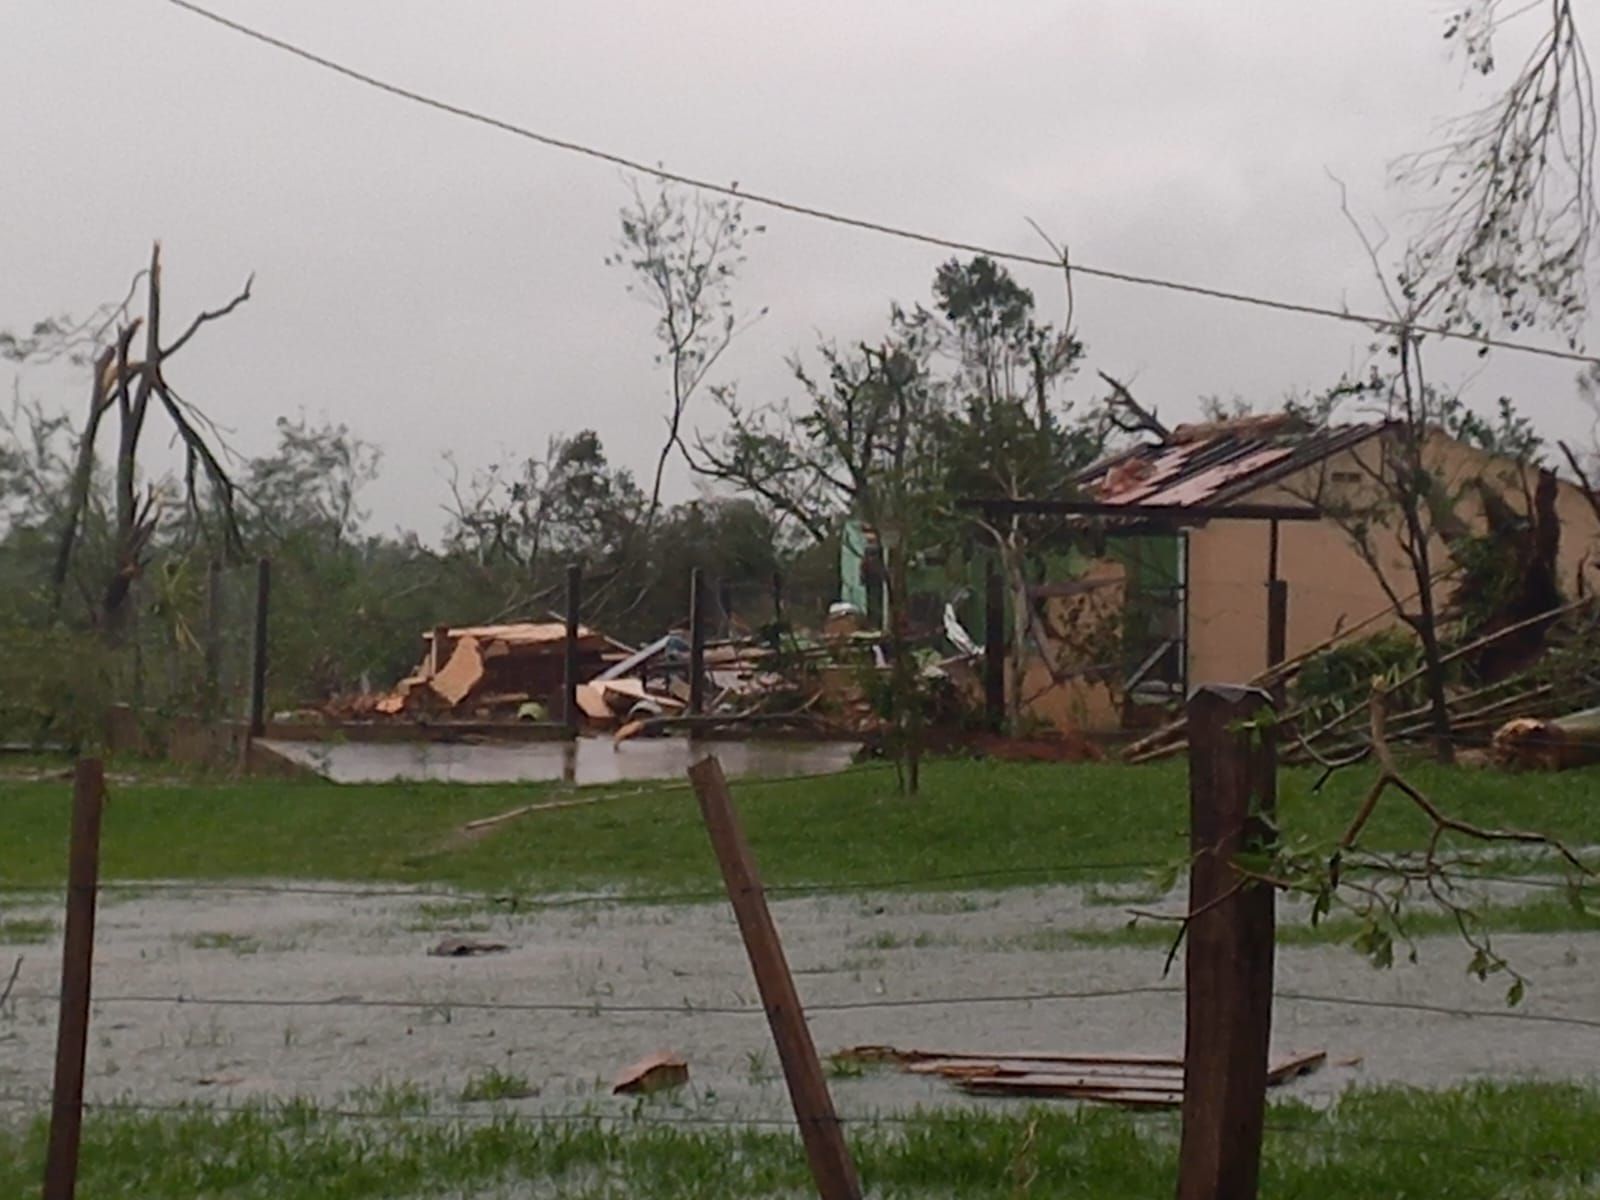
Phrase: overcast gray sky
[440,286]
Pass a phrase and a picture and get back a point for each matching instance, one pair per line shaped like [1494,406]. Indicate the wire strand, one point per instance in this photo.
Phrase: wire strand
[862,223]
[518,903]
[600,1008]
[689,1008]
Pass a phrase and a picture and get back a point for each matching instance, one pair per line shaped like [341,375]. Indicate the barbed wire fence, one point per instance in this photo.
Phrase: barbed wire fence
[1239,976]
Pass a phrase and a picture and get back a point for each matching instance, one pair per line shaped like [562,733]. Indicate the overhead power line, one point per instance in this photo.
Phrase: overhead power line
[871,226]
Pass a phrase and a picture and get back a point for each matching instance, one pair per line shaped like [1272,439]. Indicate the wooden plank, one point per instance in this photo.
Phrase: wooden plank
[820,1131]
[1044,1087]
[978,1066]
[1049,1056]
[1295,1066]
[1107,1081]
[77,966]
[653,1073]
[1229,957]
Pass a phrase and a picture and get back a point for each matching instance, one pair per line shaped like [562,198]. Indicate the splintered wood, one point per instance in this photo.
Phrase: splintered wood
[1130,1080]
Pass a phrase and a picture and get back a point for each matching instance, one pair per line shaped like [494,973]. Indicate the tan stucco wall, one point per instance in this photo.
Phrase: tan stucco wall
[1077,704]
[1329,583]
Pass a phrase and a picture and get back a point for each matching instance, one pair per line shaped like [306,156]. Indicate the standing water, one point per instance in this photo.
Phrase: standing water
[583,761]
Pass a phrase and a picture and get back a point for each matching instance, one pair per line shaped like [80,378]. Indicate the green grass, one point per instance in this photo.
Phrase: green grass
[234,943]
[1525,1140]
[495,1084]
[26,931]
[850,828]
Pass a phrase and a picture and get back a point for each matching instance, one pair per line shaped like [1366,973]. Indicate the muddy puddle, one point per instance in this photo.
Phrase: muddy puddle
[588,989]
[584,761]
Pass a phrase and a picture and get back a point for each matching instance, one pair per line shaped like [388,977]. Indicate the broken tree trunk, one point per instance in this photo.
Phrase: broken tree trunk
[1549,745]
[129,386]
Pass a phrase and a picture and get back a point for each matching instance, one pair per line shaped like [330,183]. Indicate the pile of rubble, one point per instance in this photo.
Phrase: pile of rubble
[821,684]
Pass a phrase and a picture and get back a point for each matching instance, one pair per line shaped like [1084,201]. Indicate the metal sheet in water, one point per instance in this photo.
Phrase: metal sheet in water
[584,761]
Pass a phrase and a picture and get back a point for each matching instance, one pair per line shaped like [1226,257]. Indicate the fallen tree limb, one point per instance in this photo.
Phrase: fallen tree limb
[1272,675]
[1459,652]
[524,810]
[1169,740]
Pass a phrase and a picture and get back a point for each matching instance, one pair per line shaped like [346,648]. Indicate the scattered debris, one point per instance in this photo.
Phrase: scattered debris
[1132,1080]
[654,1073]
[455,947]
[776,680]
[513,670]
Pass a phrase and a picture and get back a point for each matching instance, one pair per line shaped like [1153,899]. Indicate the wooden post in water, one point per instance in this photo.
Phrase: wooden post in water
[77,964]
[1229,956]
[569,662]
[994,647]
[820,1131]
[697,641]
[725,606]
[211,701]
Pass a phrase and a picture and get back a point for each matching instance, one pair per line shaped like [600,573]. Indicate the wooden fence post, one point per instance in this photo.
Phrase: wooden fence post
[77,960]
[1229,957]
[211,695]
[697,641]
[820,1131]
[725,607]
[569,662]
[258,662]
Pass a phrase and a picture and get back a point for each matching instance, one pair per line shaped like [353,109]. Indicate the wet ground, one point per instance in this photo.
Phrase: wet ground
[583,761]
[604,985]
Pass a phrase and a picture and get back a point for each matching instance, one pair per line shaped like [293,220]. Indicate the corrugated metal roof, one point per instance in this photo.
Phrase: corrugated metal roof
[1211,465]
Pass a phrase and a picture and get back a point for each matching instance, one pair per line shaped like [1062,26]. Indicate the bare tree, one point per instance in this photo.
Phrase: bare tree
[684,251]
[1509,234]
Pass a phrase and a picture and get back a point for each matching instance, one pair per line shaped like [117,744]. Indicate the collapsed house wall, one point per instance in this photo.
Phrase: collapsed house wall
[1330,586]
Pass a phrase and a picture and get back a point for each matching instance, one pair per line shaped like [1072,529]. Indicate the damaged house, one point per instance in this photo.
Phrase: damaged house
[1187,604]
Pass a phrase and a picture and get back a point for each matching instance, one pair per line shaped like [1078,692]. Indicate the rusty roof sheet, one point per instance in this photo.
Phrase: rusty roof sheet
[1214,469]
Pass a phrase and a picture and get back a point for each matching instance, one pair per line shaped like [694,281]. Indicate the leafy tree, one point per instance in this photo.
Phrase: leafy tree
[1006,434]
[309,485]
[521,524]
